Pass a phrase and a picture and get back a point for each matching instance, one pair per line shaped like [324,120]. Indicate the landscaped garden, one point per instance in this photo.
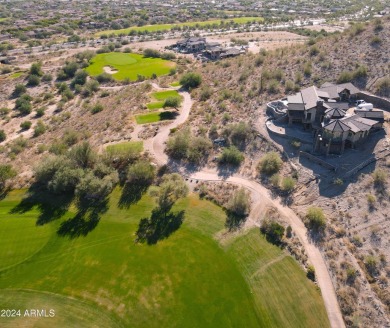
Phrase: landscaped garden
[197,277]
[129,66]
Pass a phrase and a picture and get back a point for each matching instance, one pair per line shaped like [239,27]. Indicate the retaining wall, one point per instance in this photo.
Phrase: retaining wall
[317,160]
[379,102]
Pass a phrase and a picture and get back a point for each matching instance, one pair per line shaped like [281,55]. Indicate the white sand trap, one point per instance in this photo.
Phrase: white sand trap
[109,70]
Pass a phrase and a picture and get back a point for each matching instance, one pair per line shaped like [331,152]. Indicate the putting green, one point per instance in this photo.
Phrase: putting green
[129,66]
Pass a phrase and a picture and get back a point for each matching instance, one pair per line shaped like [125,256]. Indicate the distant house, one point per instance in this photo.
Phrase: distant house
[193,44]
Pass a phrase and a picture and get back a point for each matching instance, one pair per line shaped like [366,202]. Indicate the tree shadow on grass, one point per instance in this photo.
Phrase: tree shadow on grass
[50,206]
[234,221]
[131,194]
[86,219]
[159,226]
[167,115]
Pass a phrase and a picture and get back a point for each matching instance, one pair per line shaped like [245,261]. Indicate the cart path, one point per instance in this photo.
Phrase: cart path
[156,146]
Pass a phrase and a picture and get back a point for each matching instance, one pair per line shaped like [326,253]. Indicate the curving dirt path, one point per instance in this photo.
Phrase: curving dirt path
[313,253]
[261,197]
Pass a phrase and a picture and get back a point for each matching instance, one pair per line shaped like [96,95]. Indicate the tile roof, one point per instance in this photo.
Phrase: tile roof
[337,126]
[335,112]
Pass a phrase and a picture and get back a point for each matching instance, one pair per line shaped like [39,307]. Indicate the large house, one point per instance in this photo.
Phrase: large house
[324,110]
[193,44]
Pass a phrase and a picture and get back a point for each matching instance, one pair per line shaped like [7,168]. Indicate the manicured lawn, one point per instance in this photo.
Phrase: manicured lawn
[190,279]
[163,27]
[175,84]
[136,146]
[129,65]
[154,117]
[161,96]
[155,105]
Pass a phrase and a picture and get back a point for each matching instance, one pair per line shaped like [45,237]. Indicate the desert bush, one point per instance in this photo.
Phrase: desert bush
[36,69]
[199,149]
[288,184]
[33,80]
[239,133]
[376,40]
[39,129]
[380,178]
[40,111]
[47,78]
[178,144]
[344,77]
[205,94]
[23,104]
[97,108]
[371,265]
[231,155]
[239,203]
[104,78]
[25,125]
[4,111]
[18,145]
[190,80]
[315,219]
[273,231]
[270,163]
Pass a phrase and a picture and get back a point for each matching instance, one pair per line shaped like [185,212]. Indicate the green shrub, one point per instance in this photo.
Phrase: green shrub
[231,155]
[178,144]
[104,78]
[33,80]
[380,178]
[288,184]
[25,125]
[4,111]
[345,77]
[190,80]
[39,129]
[315,219]
[273,231]
[173,102]
[199,149]
[47,78]
[23,104]
[97,108]
[270,163]
[239,203]
[41,111]
[19,90]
